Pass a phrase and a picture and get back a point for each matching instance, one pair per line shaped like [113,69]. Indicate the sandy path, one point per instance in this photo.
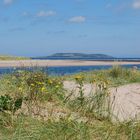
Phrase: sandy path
[126,103]
[44,63]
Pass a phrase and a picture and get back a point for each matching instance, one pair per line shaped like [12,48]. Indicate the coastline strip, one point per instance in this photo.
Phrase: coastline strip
[51,63]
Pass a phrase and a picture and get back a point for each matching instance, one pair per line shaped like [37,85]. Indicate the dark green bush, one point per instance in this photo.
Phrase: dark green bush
[7,103]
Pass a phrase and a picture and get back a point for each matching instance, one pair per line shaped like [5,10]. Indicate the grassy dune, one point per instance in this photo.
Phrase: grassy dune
[115,76]
[34,106]
[12,58]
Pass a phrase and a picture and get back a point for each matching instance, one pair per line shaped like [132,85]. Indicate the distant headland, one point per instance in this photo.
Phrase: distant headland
[75,56]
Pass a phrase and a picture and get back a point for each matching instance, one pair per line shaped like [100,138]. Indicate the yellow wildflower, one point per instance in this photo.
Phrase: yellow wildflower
[32,85]
[20,89]
[50,82]
[104,85]
[43,89]
[57,86]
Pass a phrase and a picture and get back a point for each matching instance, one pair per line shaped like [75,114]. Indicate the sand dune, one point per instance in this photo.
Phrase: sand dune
[126,104]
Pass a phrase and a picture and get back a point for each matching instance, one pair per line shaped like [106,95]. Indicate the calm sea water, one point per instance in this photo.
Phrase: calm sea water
[63,70]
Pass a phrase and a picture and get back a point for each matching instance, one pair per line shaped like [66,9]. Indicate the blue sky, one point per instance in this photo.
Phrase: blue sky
[43,27]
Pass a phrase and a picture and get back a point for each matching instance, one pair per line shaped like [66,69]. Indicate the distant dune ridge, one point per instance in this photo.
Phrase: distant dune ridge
[7,57]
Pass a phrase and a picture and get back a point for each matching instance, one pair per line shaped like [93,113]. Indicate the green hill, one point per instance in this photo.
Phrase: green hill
[76,56]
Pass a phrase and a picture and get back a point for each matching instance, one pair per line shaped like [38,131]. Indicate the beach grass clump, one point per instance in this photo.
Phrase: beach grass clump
[117,75]
[97,104]
[124,75]
[118,71]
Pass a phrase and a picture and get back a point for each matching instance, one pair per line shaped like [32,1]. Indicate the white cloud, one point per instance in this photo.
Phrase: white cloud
[45,13]
[136,4]
[8,2]
[77,19]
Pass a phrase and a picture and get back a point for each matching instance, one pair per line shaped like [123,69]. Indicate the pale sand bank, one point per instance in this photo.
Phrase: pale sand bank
[45,63]
[126,104]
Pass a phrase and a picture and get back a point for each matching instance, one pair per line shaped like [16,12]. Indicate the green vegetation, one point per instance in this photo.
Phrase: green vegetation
[34,106]
[115,76]
[12,58]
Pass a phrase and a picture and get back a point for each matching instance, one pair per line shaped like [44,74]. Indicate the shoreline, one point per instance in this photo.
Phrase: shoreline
[59,63]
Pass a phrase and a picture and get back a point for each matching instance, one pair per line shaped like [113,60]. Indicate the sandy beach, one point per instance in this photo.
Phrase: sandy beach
[51,63]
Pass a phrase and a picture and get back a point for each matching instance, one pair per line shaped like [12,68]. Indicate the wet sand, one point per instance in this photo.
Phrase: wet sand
[51,63]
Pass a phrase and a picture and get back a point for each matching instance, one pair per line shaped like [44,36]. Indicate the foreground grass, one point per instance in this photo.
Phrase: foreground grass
[32,129]
[47,113]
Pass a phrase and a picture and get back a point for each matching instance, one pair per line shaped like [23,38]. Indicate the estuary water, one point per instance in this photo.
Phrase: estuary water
[62,70]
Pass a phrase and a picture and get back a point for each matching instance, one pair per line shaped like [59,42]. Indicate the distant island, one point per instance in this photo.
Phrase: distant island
[75,56]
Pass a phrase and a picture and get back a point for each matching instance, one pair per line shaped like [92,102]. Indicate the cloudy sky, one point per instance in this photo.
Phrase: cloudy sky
[42,27]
